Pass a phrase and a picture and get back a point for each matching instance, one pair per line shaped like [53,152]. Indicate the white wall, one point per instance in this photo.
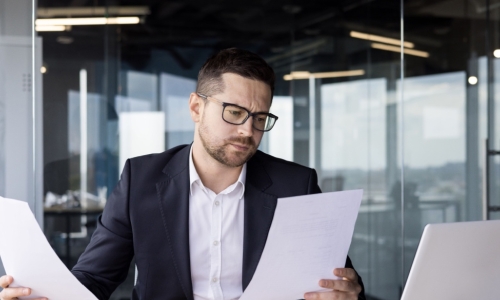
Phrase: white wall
[141,133]
[280,138]
[20,157]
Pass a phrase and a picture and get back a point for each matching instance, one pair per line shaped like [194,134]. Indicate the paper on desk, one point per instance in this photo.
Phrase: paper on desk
[309,237]
[28,257]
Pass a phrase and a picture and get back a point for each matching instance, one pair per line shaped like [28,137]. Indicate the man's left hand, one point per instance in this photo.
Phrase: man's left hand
[345,288]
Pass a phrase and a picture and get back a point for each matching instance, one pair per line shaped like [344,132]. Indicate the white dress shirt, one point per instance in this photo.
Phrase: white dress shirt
[216,238]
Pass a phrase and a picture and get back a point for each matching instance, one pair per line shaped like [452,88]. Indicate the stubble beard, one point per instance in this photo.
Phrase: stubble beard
[220,153]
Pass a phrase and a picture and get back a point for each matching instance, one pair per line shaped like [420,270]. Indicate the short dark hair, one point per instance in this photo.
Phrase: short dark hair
[238,61]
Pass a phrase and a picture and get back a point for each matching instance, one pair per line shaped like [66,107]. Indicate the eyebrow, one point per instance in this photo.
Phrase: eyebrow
[257,112]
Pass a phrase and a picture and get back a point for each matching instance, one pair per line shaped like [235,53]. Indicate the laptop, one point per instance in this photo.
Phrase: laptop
[456,261]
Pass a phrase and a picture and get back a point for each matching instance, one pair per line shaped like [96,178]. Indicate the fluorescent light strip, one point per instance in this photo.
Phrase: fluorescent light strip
[301,74]
[50,12]
[378,38]
[124,20]
[307,75]
[339,74]
[50,28]
[87,21]
[397,49]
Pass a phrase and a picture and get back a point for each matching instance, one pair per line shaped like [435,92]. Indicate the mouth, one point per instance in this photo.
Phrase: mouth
[240,147]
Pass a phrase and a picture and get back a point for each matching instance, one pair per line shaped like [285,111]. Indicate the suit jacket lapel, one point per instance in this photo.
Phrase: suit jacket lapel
[259,213]
[173,194]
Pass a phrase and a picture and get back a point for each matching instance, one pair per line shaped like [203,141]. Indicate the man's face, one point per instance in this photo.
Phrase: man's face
[233,145]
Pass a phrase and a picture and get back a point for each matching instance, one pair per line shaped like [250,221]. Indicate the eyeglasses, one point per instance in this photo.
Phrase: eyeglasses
[237,115]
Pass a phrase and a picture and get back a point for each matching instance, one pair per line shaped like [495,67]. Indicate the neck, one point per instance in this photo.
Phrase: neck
[214,175]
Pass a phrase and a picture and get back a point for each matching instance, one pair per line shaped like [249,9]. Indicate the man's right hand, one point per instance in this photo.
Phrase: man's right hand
[9,293]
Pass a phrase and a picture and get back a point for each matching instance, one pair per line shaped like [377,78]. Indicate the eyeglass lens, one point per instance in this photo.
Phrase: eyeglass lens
[237,115]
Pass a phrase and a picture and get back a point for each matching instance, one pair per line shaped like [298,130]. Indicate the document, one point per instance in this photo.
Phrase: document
[28,257]
[309,237]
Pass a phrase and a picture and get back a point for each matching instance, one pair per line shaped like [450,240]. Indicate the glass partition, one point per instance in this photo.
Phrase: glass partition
[118,91]
[415,142]
[449,113]
[20,107]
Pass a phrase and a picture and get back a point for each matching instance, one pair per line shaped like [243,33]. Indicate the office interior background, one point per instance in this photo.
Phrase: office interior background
[110,79]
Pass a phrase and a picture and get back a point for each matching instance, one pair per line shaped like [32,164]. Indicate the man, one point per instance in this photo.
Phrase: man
[196,217]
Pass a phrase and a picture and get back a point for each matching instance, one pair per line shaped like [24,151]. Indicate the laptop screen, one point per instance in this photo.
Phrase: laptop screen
[456,261]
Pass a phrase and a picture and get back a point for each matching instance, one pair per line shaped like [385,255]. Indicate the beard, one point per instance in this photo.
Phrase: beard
[221,153]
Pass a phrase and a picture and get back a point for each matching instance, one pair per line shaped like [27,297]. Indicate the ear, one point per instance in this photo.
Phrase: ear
[195,107]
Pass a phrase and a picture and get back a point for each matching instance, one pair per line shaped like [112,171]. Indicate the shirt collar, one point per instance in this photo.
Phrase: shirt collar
[195,178]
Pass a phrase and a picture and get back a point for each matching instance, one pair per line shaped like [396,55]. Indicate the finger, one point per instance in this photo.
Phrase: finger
[11,293]
[5,281]
[333,295]
[339,285]
[314,296]
[346,273]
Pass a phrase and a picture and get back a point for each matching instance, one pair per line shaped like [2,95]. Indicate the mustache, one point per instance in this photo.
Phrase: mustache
[242,140]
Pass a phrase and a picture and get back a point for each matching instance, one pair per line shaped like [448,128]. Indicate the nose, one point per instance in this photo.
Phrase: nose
[246,129]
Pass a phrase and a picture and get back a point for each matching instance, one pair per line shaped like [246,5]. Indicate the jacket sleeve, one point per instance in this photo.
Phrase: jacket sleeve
[105,262]
[313,188]
[348,264]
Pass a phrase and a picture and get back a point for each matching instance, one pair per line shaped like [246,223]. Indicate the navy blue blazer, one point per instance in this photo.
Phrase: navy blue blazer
[147,216]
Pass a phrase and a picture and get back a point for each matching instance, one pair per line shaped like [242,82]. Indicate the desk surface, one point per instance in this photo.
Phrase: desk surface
[75,211]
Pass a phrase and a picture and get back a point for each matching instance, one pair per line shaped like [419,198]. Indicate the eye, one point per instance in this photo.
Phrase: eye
[260,119]
[234,112]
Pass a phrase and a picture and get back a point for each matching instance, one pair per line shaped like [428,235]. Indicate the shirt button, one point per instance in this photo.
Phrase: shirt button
[214,279]
[216,243]
[216,203]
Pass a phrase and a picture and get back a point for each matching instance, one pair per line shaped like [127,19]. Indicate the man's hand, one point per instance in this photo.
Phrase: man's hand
[347,288]
[8,293]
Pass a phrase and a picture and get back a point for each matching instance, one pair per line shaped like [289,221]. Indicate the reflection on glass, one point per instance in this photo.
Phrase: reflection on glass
[174,95]
[150,69]
[280,138]
[434,162]
[353,155]
[355,114]
[143,86]
[21,107]
[96,141]
[494,197]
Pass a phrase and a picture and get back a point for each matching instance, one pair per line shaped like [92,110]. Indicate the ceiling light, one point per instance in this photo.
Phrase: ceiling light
[50,28]
[300,74]
[398,49]
[472,80]
[124,20]
[65,40]
[307,75]
[43,70]
[496,53]
[51,12]
[378,38]
[88,21]
[339,74]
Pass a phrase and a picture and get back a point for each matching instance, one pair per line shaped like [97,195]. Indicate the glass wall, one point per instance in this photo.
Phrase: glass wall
[449,112]
[20,106]
[417,132]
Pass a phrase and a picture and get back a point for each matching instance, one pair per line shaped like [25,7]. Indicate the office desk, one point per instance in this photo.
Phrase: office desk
[67,213]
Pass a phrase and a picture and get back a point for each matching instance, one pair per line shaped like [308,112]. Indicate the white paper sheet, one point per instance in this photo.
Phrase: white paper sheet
[28,257]
[309,237]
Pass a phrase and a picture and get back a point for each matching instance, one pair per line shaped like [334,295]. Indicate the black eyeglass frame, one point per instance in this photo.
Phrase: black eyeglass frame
[249,113]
